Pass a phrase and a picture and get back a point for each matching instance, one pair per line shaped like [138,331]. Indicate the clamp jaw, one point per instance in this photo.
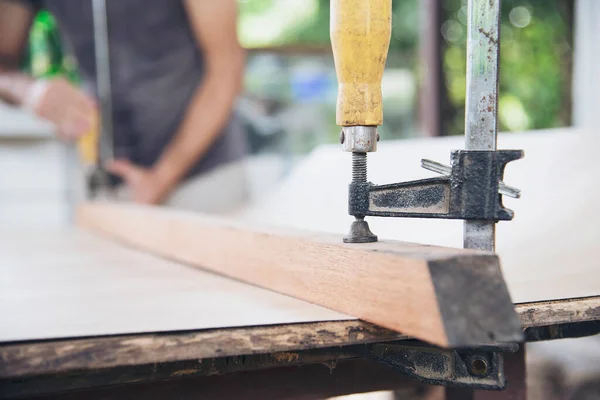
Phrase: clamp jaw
[477,368]
[470,189]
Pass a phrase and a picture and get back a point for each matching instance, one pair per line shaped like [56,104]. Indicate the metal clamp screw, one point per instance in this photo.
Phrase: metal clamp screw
[359,139]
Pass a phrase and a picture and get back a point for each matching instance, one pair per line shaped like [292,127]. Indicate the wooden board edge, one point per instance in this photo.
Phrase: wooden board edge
[56,356]
[555,312]
[64,355]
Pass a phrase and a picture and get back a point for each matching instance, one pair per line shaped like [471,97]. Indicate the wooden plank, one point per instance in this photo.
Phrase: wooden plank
[449,297]
[63,356]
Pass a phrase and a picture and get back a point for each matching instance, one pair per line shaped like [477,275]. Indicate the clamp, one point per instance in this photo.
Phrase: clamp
[470,189]
[477,368]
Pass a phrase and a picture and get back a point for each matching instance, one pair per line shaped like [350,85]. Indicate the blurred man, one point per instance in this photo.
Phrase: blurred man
[176,69]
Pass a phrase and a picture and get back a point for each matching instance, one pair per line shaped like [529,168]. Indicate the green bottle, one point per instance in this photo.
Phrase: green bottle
[45,57]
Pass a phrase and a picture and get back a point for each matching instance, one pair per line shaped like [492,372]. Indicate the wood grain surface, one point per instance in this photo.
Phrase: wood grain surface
[450,297]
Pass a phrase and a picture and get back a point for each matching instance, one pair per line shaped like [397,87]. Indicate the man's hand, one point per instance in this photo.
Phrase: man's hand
[145,185]
[71,110]
[68,108]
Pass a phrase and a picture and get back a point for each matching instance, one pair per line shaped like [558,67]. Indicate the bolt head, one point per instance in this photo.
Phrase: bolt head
[479,366]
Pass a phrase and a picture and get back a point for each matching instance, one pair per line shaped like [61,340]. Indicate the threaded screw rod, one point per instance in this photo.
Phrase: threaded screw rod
[359,167]
[359,230]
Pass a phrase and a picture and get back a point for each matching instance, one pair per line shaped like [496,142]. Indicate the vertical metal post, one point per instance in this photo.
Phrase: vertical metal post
[481,119]
[103,88]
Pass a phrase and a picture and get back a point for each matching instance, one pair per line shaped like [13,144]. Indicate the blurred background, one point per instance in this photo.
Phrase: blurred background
[427,64]
[288,103]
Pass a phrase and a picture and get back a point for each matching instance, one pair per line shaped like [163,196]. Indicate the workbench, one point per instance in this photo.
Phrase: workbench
[81,312]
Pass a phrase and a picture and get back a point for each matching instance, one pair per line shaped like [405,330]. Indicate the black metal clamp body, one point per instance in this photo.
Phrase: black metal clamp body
[470,191]
[479,368]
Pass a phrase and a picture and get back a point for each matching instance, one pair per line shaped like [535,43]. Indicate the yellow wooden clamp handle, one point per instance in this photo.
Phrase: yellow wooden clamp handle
[360,37]
[88,144]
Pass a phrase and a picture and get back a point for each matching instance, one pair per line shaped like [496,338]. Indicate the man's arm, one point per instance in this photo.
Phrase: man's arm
[68,108]
[214,24]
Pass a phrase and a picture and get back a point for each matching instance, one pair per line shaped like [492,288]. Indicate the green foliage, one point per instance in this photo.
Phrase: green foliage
[254,7]
[535,64]
[405,25]
[536,54]
[313,30]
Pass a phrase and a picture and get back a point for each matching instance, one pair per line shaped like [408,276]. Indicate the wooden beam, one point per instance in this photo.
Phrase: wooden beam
[449,297]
